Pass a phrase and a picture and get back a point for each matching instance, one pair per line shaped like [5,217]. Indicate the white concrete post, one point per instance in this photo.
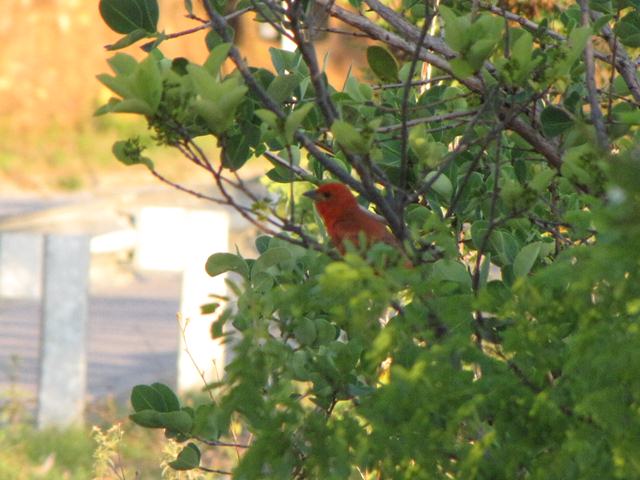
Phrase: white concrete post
[206,232]
[63,362]
[161,236]
[20,265]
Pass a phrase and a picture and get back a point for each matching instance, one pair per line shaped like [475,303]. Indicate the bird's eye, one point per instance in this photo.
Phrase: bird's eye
[326,194]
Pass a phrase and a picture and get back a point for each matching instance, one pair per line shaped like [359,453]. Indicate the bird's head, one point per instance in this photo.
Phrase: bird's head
[332,198]
[332,194]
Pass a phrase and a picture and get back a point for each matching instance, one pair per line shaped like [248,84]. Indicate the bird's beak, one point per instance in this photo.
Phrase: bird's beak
[312,194]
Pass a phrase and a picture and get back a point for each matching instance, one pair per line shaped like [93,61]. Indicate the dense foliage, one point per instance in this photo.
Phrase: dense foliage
[503,154]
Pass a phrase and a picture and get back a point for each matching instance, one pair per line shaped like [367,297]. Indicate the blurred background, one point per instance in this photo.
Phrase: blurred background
[50,53]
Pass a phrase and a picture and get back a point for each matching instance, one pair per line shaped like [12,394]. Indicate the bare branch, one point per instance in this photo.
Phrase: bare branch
[308,53]
[410,31]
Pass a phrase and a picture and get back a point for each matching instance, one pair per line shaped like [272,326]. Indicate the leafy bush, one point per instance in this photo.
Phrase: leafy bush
[509,349]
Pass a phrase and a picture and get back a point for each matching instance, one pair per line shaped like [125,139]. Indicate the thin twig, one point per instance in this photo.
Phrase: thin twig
[435,118]
[404,127]
[614,53]
[507,37]
[206,25]
[338,31]
[277,10]
[218,443]
[596,114]
[414,83]
[213,470]
[495,194]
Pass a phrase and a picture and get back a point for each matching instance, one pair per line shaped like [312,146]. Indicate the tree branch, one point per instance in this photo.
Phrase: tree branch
[625,66]
[518,125]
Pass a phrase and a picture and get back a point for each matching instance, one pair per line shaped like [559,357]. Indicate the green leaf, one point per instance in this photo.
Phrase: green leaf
[456,29]
[226,262]
[129,152]
[188,6]
[213,38]
[122,64]
[282,87]
[479,230]
[170,399]
[326,331]
[118,85]
[349,138]
[541,180]
[209,308]
[270,258]
[428,151]
[480,50]
[628,29]
[236,151]
[284,60]
[452,271]
[525,259]
[268,117]
[125,16]
[523,47]
[382,63]
[188,458]
[216,58]
[505,247]
[178,421]
[262,243]
[555,121]
[129,39]
[145,397]
[601,22]
[461,68]
[294,120]
[204,422]
[442,185]
[132,105]
[281,175]
[575,45]
[147,83]
[305,331]
[146,418]
[630,117]
[218,102]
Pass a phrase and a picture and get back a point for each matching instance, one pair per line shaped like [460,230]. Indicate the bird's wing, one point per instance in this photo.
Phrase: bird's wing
[373,226]
[374,216]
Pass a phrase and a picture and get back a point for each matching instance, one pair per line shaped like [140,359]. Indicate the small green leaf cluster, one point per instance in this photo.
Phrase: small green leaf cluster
[474,40]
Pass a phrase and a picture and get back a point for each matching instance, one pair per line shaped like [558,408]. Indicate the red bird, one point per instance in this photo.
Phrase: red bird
[345,219]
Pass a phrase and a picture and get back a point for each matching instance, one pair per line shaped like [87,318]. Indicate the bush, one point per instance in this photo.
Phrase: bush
[509,348]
